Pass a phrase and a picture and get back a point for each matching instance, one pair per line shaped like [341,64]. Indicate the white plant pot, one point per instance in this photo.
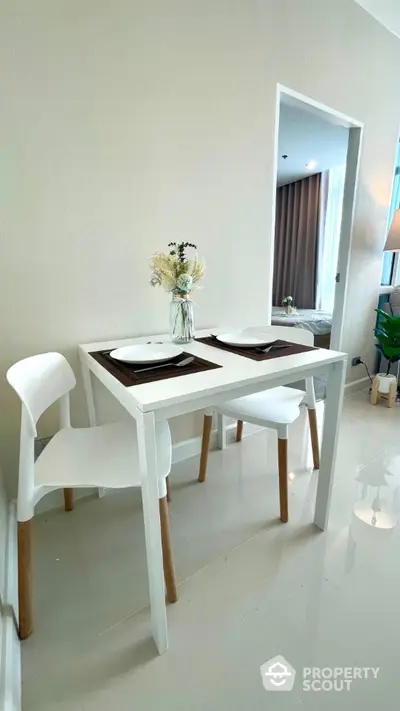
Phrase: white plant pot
[384,382]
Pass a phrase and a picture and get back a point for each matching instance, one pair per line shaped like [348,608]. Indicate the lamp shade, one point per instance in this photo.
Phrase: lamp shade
[393,238]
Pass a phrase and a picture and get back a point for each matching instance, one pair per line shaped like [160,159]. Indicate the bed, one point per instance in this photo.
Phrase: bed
[318,322]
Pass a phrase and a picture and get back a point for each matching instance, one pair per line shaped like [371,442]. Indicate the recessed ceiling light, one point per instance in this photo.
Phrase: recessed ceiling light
[311,164]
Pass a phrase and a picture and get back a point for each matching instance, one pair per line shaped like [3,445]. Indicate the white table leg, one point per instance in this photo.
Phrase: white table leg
[333,408]
[87,384]
[221,431]
[149,479]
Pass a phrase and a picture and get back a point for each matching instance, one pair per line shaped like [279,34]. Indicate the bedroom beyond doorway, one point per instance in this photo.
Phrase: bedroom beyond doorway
[312,165]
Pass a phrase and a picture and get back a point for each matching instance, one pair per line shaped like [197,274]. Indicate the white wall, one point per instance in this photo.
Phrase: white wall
[386,11]
[130,123]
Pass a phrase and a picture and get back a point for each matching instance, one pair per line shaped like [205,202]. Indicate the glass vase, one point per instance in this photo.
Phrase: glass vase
[181,319]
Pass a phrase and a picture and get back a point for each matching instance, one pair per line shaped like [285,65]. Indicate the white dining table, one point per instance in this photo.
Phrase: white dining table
[162,399]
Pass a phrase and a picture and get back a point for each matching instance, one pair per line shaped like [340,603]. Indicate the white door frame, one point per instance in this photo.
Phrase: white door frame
[351,181]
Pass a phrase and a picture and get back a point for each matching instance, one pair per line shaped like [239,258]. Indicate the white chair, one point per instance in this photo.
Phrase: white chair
[275,409]
[104,456]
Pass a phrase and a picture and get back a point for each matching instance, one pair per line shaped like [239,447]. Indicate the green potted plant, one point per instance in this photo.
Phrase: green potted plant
[387,333]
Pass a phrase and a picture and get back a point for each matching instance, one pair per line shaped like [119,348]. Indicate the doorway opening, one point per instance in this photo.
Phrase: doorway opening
[317,152]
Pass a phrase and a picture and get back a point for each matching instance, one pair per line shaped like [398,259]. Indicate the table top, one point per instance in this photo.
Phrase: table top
[237,371]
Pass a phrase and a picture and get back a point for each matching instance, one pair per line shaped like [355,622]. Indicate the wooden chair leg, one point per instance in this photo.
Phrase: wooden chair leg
[205,444]
[25,579]
[283,479]
[69,499]
[168,489]
[312,419]
[169,570]
[239,431]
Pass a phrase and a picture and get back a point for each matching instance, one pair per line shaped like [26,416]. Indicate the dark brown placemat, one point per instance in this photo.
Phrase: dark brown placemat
[291,349]
[131,374]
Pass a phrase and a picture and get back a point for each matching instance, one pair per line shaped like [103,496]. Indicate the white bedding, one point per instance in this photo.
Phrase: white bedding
[318,322]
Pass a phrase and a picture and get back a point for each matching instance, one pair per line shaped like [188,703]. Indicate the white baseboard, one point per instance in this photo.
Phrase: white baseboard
[10,654]
[355,385]
[192,447]
[186,449]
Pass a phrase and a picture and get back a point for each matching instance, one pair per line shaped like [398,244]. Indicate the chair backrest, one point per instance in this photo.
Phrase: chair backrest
[295,335]
[39,381]
[286,333]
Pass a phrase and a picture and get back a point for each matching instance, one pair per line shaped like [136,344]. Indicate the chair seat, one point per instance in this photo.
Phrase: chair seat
[278,406]
[103,456]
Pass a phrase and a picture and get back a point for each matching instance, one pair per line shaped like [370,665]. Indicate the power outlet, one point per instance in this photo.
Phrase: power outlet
[356,360]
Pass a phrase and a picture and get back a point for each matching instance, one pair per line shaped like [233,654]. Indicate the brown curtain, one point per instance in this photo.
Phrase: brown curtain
[296,241]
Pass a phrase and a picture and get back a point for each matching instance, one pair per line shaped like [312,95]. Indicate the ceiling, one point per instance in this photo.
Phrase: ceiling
[306,137]
[387,12]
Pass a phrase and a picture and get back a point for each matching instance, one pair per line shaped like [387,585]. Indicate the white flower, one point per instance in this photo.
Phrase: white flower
[184,282]
[287,301]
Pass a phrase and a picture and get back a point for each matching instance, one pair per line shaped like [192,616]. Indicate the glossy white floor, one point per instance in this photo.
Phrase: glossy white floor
[250,587]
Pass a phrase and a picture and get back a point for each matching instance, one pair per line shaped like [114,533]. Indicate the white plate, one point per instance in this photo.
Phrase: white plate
[242,340]
[146,353]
